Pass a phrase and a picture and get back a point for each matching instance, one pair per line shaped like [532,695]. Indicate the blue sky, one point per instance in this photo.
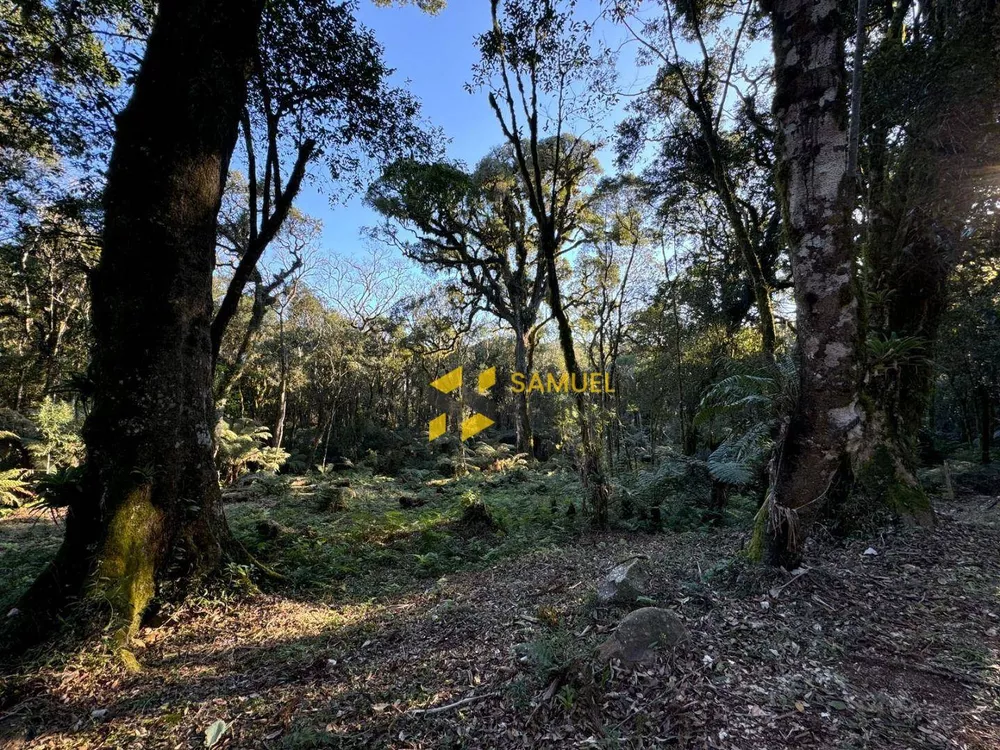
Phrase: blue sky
[433,58]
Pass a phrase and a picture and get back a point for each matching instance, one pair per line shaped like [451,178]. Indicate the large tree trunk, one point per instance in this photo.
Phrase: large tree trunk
[150,511]
[811,111]
[919,200]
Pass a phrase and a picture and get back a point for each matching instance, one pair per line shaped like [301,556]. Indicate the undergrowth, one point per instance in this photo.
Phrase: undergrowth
[372,545]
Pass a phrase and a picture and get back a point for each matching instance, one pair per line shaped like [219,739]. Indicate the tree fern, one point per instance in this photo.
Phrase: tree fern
[746,406]
[242,445]
[15,488]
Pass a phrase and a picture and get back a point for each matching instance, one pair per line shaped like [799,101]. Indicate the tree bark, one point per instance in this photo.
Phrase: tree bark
[591,470]
[279,422]
[810,108]
[523,426]
[149,513]
[985,423]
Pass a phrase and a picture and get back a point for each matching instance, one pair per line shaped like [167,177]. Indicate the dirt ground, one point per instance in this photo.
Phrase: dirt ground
[896,649]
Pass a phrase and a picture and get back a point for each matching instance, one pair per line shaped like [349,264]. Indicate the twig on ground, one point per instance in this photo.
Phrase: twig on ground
[456,704]
[776,590]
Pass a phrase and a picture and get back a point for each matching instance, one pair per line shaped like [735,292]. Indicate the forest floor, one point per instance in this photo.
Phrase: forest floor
[391,611]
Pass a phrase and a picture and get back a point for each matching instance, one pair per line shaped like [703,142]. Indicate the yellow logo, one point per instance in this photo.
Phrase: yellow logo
[472,425]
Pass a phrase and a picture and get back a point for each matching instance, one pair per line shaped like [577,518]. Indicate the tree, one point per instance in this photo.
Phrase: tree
[810,109]
[317,92]
[44,306]
[927,128]
[290,248]
[150,508]
[61,72]
[714,149]
[615,279]
[148,518]
[480,227]
[537,55]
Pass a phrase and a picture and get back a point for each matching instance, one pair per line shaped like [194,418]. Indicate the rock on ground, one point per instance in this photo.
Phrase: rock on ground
[640,632]
[625,583]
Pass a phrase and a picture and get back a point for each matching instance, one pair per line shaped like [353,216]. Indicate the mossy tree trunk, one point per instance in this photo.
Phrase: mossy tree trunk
[810,108]
[918,201]
[149,516]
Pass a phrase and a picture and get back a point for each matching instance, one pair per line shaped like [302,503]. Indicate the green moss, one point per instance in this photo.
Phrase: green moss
[126,574]
[755,550]
[882,491]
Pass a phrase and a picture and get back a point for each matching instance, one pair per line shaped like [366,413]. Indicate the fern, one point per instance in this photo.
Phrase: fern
[15,488]
[242,445]
[748,403]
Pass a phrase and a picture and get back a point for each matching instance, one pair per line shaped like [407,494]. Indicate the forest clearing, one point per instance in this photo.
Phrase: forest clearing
[393,617]
[499,374]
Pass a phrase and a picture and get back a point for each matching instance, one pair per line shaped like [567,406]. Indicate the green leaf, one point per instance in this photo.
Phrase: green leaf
[730,472]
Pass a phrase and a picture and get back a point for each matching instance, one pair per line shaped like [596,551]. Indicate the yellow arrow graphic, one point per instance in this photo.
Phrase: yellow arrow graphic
[474,425]
[449,382]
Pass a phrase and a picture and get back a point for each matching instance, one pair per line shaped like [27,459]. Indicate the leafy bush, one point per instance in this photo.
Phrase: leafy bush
[58,443]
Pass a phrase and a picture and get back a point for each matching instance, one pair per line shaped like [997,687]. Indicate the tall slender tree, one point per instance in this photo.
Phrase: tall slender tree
[713,148]
[536,55]
[479,227]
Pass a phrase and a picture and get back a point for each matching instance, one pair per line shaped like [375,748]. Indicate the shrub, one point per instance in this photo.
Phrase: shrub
[59,443]
[242,447]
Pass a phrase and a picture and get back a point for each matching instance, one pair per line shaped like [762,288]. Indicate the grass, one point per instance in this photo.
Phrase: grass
[375,547]
[27,543]
[367,545]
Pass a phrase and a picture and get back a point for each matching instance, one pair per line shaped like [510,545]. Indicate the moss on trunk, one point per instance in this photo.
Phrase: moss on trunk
[148,520]
[884,488]
[126,571]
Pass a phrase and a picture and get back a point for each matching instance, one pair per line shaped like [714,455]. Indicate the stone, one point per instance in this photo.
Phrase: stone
[640,633]
[625,583]
[268,529]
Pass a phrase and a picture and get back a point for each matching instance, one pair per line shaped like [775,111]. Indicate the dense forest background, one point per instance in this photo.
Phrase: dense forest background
[673,270]
[777,240]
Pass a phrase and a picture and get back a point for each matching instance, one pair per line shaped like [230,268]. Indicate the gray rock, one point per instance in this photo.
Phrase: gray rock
[625,583]
[640,633]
